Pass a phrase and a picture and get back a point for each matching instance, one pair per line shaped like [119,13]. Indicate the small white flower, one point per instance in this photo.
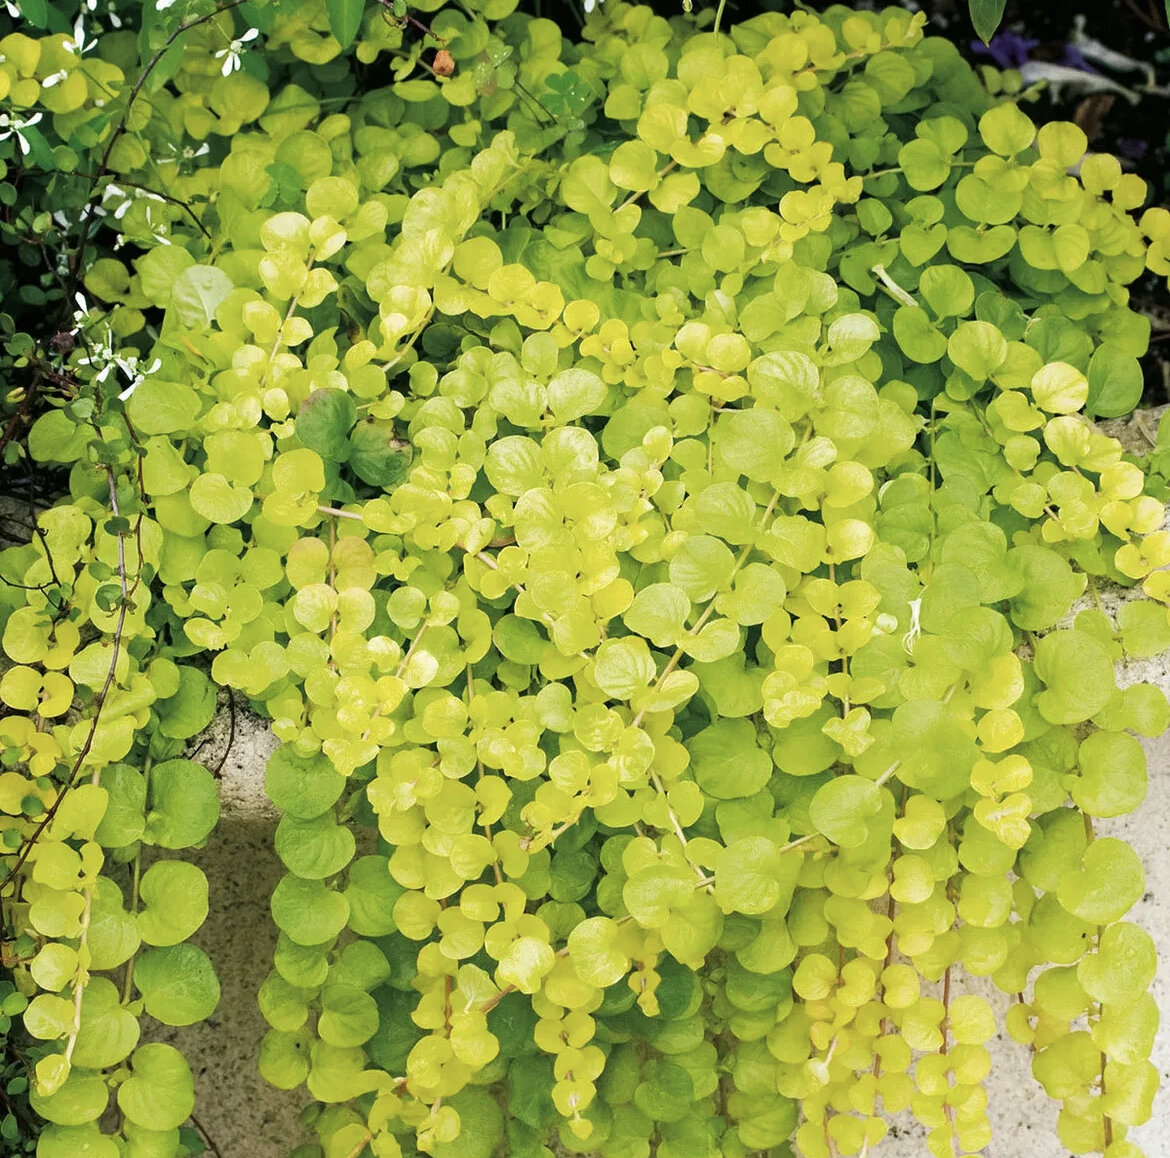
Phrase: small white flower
[186,153]
[79,45]
[163,5]
[231,55]
[10,125]
[155,227]
[129,366]
[54,78]
[118,198]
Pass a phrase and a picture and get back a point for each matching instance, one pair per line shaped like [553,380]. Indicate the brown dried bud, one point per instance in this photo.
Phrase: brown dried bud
[444,63]
[62,342]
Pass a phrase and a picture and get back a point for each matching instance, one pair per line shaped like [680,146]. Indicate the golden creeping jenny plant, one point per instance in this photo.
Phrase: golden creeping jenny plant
[642,480]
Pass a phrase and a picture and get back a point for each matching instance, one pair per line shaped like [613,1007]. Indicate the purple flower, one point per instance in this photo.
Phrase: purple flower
[1074,58]
[1006,49]
[1131,148]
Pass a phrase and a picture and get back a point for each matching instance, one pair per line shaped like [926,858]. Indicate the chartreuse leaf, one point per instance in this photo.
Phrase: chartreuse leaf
[1077,674]
[54,438]
[82,1098]
[349,1017]
[623,667]
[196,293]
[371,892]
[659,612]
[841,807]
[175,902]
[1112,777]
[124,820]
[753,876]
[158,407]
[302,786]
[308,911]
[314,849]
[159,1094]
[653,894]
[109,1031]
[727,761]
[76,1142]
[1114,381]
[595,950]
[1122,967]
[178,984]
[702,567]
[183,805]
[113,934]
[284,1057]
[191,708]
[1108,881]
[1145,628]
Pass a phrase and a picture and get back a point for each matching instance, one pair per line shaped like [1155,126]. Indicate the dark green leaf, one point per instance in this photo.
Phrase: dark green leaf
[345,18]
[377,457]
[168,65]
[1115,381]
[39,152]
[985,16]
[324,421]
[36,12]
[529,1081]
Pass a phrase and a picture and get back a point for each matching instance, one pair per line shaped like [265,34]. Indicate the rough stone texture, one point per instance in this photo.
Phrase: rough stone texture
[245,1117]
[248,1119]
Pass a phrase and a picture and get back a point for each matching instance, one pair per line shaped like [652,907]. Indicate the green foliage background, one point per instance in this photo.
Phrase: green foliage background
[645,481]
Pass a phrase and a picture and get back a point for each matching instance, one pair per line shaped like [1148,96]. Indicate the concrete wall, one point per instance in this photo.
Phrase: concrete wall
[243,1115]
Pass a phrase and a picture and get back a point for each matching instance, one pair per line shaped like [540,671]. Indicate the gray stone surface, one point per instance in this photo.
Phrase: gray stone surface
[238,1111]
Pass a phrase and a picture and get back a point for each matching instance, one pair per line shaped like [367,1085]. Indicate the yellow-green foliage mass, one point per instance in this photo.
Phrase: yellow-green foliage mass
[626,474]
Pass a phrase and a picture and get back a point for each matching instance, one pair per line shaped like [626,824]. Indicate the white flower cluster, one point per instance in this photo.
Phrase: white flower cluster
[101,356]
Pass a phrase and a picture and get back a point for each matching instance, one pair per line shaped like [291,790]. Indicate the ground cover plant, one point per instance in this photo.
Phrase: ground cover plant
[643,477]
[1111,64]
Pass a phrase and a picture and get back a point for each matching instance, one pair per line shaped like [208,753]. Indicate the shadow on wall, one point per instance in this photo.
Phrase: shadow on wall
[241,1114]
